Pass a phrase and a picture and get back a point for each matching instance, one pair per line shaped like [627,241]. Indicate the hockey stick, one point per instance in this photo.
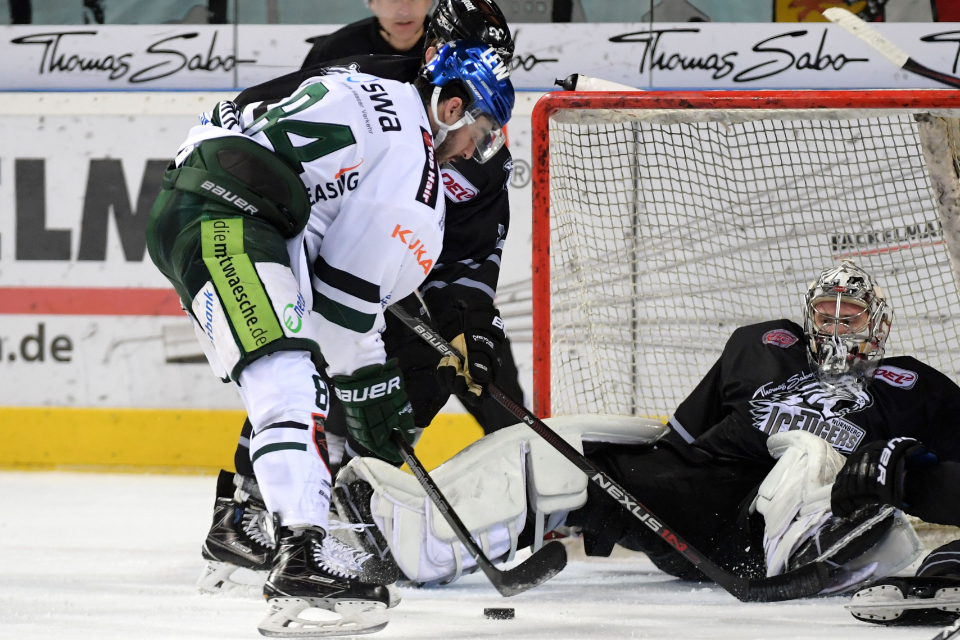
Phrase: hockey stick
[857,27]
[805,581]
[535,570]
[948,633]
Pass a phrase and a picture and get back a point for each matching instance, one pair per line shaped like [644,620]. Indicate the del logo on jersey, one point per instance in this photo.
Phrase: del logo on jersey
[895,376]
[802,403]
[456,187]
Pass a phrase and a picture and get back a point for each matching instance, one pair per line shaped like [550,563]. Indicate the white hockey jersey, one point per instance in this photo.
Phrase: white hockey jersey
[364,151]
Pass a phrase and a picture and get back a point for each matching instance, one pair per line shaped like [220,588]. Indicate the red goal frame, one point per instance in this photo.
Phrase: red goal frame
[552,102]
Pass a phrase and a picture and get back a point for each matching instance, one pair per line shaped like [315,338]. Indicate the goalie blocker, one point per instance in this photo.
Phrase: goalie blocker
[511,488]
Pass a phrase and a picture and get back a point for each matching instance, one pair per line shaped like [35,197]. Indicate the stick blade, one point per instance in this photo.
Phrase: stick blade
[804,582]
[535,570]
[860,29]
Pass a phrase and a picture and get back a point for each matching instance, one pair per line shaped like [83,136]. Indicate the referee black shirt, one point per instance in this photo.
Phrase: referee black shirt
[359,38]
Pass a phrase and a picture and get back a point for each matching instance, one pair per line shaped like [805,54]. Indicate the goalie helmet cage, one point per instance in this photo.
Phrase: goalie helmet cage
[662,221]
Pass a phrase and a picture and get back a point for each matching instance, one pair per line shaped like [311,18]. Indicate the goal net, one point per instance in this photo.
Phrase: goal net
[664,221]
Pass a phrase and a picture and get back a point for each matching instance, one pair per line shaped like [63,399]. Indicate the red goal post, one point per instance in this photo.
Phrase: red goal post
[711,112]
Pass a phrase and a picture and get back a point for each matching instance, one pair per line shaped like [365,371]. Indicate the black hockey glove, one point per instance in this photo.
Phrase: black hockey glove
[875,474]
[376,403]
[478,335]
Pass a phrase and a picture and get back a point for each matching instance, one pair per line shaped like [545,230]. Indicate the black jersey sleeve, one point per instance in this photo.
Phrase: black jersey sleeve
[753,355]
[703,408]
[468,269]
[943,432]
[933,493]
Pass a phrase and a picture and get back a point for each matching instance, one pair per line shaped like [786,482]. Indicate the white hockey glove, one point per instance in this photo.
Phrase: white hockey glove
[794,498]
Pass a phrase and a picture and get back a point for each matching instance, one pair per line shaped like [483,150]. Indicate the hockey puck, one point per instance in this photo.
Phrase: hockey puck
[498,614]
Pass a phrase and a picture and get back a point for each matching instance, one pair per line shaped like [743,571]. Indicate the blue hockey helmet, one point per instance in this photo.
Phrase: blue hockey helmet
[481,70]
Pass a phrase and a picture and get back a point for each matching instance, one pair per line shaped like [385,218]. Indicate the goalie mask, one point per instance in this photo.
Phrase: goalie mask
[847,321]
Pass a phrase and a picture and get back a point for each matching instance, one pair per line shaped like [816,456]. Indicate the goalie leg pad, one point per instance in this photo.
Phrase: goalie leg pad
[489,484]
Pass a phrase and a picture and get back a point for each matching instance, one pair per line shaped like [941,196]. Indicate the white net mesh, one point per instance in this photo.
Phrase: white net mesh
[669,233]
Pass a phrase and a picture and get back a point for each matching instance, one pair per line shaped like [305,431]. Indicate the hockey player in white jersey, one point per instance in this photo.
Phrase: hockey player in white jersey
[286,236]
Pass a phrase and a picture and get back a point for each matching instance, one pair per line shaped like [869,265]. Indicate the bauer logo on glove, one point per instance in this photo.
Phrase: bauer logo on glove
[376,404]
[372,392]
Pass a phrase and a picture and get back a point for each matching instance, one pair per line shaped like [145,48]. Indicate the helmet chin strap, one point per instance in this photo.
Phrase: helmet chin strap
[442,127]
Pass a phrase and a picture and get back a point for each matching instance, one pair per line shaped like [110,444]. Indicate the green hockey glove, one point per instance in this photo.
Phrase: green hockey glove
[376,403]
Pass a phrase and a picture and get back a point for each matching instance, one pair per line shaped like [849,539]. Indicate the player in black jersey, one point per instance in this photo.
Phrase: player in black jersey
[746,471]
[396,28]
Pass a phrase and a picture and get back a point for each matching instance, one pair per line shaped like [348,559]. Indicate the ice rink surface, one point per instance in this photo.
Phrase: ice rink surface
[117,556]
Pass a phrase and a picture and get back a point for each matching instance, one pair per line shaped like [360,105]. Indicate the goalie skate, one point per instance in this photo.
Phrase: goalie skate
[908,601]
[315,590]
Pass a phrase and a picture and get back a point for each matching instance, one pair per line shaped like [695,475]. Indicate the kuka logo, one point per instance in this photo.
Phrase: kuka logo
[417,247]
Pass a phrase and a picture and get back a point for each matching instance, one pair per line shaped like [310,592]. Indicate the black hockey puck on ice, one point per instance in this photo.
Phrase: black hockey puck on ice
[498,614]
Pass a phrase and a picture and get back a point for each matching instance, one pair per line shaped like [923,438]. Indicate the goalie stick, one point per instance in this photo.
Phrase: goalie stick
[537,569]
[806,581]
[857,27]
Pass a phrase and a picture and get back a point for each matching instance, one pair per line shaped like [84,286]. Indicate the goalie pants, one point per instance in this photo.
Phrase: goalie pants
[703,498]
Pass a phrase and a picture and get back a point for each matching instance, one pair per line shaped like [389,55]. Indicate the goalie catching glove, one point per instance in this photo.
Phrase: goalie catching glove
[375,404]
[875,474]
[479,338]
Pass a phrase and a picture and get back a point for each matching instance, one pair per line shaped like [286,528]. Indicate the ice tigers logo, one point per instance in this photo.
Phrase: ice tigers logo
[801,403]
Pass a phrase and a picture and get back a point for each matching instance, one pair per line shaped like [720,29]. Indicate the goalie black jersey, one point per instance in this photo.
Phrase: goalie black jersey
[763,384]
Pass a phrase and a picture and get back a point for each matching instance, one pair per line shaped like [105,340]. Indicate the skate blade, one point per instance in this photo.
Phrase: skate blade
[320,618]
[394,595]
[223,578]
[886,602]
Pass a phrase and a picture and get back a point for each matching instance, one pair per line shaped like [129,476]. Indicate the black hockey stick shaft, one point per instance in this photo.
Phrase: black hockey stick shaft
[535,570]
[921,70]
[807,581]
[859,28]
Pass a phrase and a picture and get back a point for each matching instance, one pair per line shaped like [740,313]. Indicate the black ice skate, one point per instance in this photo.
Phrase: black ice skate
[240,546]
[316,571]
[922,600]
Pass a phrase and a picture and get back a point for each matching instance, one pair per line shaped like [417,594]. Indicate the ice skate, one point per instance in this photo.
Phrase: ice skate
[315,589]
[240,546]
[933,600]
